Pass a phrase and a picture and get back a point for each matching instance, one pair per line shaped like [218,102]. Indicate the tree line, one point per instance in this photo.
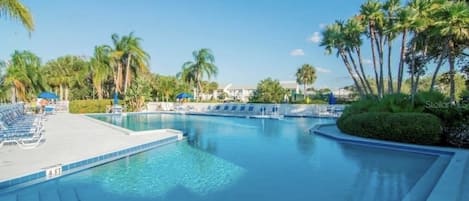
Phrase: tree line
[429,32]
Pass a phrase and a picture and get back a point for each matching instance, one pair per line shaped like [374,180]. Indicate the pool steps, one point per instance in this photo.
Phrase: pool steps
[70,168]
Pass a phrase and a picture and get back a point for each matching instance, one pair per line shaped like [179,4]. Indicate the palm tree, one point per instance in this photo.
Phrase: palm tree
[127,52]
[453,26]
[100,68]
[135,58]
[373,17]
[203,65]
[391,8]
[334,38]
[352,31]
[14,9]
[421,11]
[402,24]
[305,75]
[66,72]
[23,76]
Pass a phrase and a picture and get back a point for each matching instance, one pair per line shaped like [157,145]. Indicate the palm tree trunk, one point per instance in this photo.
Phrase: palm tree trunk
[13,94]
[372,39]
[304,91]
[435,74]
[99,91]
[412,74]
[119,77]
[360,61]
[356,70]
[351,72]
[379,46]
[452,89]
[66,92]
[127,73]
[390,81]
[400,73]
[61,89]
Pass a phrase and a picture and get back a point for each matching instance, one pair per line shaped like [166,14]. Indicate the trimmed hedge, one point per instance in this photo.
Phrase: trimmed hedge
[416,128]
[89,106]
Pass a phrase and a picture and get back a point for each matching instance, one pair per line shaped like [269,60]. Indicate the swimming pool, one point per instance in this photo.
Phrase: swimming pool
[227,158]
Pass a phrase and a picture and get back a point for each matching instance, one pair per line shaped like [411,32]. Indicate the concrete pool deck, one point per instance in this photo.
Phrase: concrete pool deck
[70,138]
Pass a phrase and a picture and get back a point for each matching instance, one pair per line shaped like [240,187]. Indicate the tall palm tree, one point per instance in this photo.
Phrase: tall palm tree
[421,10]
[352,32]
[305,75]
[334,38]
[203,65]
[373,17]
[402,24]
[100,68]
[127,52]
[391,8]
[135,58]
[453,25]
[14,9]
[23,75]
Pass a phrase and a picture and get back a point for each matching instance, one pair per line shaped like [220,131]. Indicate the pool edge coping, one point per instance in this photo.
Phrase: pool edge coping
[448,185]
[39,176]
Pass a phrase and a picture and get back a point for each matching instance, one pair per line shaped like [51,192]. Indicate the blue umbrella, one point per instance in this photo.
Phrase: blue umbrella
[332,100]
[48,95]
[183,95]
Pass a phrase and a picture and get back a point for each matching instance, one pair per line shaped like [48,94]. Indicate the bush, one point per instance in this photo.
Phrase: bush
[89,106]
[417,128]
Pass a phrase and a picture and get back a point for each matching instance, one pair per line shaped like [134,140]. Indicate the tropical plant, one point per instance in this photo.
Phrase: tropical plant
[23,76]
[14,9]
[334,38]
[66,72]
[100,68]
[453,26]
[268,91]
[373,17]
[127,52]
[137,94]
[306,75]
[203,65]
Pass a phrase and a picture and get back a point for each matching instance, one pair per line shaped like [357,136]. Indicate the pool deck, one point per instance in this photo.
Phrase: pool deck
[70,138]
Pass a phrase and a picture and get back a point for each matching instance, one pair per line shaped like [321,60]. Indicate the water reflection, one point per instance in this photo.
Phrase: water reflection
[384,174]
[195,138]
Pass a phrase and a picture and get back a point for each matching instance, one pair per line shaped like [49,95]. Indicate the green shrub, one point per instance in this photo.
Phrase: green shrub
[417,128]
[89,106]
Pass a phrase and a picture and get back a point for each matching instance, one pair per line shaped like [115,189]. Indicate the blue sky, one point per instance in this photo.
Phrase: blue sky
[251,39]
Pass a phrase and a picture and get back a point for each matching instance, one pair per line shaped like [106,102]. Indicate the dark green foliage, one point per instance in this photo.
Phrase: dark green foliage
[268,91]
[417,128]
[395,103]
[89,106]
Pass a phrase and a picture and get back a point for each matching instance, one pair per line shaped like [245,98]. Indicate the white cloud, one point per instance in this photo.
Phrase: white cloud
[322,70]
[322,25]
[367,61]
[315,38]
[297,52]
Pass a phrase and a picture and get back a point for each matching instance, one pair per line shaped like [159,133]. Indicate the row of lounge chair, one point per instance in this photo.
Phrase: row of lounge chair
[244,109]
[17,127]
[250,109]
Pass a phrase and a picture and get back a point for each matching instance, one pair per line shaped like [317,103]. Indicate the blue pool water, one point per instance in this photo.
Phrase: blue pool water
[239,159]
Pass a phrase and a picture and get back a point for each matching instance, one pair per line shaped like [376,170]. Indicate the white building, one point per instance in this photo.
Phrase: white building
[243,92]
